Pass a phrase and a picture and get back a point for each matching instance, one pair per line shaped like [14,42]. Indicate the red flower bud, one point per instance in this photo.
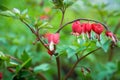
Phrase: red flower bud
[44,17]
[97,28]
[111,35]
[76,28]
[1,75]
[50,52]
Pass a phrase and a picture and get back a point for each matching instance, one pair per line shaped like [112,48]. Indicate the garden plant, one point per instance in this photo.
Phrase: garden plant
[55,45]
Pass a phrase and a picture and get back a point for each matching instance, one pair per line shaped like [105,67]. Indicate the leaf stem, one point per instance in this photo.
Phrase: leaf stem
[73,67]
[34,32]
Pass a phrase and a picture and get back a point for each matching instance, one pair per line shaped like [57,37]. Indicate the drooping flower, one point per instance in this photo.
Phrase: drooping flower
[86,28]
[98,29]
[76,28]
[53,39]
[111,35]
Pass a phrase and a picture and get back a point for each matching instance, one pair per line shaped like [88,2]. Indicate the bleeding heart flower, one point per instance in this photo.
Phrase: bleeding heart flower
[98,29]
[53,39]
[1,76]
[111,35]
[76,28]
[86,28]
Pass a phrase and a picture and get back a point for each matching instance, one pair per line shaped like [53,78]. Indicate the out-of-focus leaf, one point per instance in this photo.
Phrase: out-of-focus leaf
[11,63]
[58,4]
[25,57]
[7,13]
[68,3]
[71,50]
[106,45]
[118,43]
[24,11]
[42,67]
[3,8]
[4,57]
[26,63]
[118,65]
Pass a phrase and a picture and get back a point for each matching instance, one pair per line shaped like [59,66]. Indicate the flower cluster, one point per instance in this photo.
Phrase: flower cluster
[52,39]
[86,28]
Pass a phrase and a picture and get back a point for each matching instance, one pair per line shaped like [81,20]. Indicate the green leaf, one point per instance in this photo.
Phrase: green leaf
[7,13]
[24,56]
[4,57]
[18,68]
[118,43]
[106,45]
[42,67]
[118,65]
[68,3]
[71,50]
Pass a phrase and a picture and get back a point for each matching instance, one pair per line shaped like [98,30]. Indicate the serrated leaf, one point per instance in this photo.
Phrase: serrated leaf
[42,67]
[24,56]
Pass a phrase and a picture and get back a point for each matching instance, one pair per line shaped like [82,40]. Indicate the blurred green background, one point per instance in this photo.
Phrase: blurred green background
[16,39]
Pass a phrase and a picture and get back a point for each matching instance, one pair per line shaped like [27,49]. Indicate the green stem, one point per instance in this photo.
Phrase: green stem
[58,67]
[63,13]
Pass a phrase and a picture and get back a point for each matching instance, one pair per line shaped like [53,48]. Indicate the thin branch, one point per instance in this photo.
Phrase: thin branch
[81,58]
[105,26]
[63,13]
[34,32]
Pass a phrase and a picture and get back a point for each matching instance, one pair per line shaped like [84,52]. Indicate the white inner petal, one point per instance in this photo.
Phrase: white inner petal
[113,39]
[51,46]
[78,40]
[83,36]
